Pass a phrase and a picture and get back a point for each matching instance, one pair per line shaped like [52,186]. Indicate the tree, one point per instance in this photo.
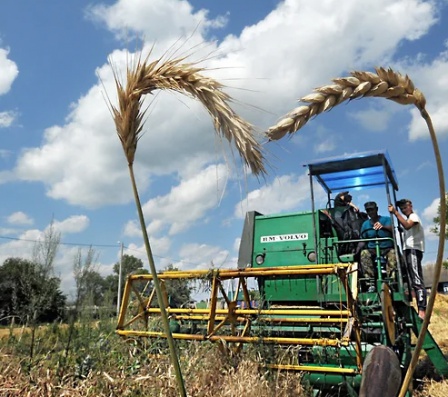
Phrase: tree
[436,220]
[43,257]
[436,228]
[93,288]
[178,290]
[129,265]
[90,286]
[44,251]
[27,293]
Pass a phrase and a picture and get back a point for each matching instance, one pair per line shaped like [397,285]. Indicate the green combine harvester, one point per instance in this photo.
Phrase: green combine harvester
[316,311]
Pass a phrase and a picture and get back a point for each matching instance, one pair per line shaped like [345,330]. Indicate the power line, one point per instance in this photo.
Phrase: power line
[62,243]
[98,245]
[163,257]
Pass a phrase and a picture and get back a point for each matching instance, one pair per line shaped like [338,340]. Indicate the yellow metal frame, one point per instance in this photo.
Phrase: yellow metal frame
[232,323]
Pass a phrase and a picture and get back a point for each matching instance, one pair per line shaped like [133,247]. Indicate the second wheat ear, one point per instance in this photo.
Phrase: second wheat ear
[385,83]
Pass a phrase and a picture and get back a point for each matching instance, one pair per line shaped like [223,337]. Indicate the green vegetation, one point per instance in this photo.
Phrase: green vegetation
[27,293]
[21,282]
[99,363]
[436,228]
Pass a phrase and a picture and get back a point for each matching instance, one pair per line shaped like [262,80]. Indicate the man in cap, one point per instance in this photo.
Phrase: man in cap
[413,248]
[376,226]
[344,199]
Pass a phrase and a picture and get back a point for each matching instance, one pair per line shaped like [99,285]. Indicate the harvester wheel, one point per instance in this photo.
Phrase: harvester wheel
[381,373]
[388,313]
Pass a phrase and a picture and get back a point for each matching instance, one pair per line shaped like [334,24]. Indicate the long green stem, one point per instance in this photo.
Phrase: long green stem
[439,261]
[173,353]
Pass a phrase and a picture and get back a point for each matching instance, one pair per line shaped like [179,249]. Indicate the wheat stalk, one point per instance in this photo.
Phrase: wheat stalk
[174,74]
[384,84]
[185,78]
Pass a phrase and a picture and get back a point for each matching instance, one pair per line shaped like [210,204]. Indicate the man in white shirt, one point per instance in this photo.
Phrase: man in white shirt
[413,248]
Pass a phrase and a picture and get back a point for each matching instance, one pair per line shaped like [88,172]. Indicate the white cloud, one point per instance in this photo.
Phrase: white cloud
[326,140]
[373,119]
[7,231]
[431,78]
[156,19]
[7,118]
[100,176]
[236,244]
[418,128]
[325,145]
[286,192]
[9,72]
[19,218]
[73,224]
[201,256]
[188,202]
[82,161]
[270,56]
[295,48]
[159,248]
[430,212]
[132,229]
[22,247]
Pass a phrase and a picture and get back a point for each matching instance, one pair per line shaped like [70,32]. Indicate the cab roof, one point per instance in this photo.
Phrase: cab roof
[354,171]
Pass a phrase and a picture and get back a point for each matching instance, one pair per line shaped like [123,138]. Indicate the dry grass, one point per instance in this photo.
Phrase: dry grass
[431,385]
[207,374]
[384,83]
[173,74]
[121,369]
[438,323]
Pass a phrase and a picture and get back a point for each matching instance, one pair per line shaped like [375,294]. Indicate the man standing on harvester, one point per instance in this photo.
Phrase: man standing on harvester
[377,226]
[413,248]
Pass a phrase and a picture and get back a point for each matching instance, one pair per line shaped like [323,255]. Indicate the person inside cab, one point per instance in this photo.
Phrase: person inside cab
[377,226]
[348,220]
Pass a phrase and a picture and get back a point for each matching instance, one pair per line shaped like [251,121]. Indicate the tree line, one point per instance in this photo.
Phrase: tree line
[30,292]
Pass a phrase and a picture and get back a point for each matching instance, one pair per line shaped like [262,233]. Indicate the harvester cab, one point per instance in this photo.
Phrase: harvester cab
[314,312]
[322,236]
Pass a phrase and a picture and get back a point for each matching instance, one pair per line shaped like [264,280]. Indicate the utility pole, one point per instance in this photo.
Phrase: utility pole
[119,280]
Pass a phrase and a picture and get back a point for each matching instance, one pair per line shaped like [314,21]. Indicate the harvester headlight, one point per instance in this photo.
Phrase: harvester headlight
[311,256]
[259,259]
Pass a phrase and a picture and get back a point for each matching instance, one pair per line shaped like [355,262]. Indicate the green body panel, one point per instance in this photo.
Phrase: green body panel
[288,240]
[318,380]
[285,239]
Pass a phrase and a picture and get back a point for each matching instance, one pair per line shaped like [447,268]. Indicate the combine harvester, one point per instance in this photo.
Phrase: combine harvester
[315,310]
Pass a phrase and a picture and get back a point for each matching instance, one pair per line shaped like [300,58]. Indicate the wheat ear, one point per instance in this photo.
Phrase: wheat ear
[385,83]
[174,74]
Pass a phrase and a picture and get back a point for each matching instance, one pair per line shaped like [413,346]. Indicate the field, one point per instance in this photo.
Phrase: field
[87,360]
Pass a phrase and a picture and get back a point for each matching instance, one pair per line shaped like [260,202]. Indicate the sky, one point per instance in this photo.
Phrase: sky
[61,162]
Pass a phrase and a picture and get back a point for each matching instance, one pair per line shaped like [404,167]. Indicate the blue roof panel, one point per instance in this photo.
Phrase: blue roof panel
[354,171]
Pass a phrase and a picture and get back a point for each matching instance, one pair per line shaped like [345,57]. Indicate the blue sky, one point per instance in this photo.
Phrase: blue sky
[60,157]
